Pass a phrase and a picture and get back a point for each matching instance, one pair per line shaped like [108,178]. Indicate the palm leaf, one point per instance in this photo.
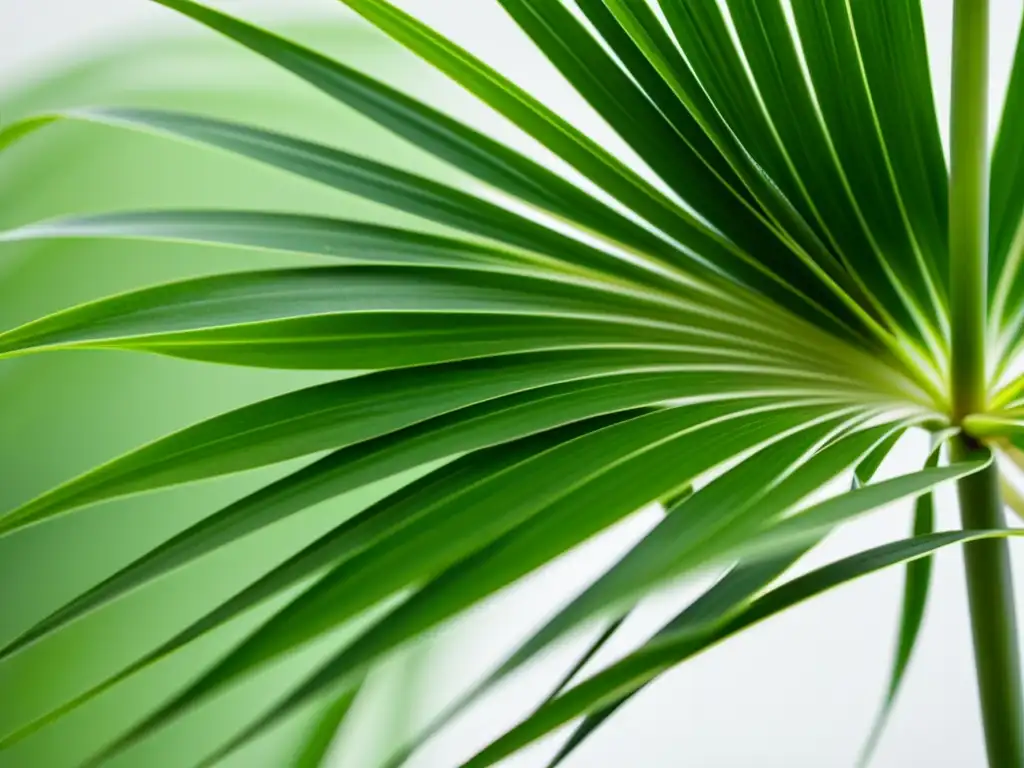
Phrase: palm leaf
[756,303]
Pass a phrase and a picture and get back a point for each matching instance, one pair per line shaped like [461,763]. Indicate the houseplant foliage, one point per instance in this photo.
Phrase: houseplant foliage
[119,401]
[791,282]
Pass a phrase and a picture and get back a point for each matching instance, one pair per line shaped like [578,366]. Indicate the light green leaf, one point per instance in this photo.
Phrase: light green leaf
[361,176]
[1006,424]
[748,305]
[318,741]
[323,417]
[313,235]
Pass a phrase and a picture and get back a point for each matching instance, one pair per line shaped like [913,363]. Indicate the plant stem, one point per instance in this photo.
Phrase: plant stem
[987,563]
[993,615]
[968,206]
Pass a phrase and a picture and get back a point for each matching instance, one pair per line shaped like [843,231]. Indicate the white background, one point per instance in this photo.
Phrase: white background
[799,692]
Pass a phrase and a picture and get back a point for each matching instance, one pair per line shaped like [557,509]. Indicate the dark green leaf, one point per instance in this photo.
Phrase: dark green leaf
[525,548]
[572,146]
[832,55]
[488,423]
[367,178]
[229,310]
[1007,204]
[915,599]
[870,464]
[506,522]
[318,741]
[666,651]
[891,39]
[467,149]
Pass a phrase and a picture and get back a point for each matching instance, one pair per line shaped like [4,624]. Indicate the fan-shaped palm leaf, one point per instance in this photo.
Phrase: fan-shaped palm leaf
[782,282]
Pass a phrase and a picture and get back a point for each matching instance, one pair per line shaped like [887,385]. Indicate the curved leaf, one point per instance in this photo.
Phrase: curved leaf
[750,576]
[295,233]
[463,147]
[581,59]
[367,178]
[166,313]
[728,597]
[776,542]
[323,417]
[546,502]
[915,598]
[482,425]
[664,652]
[572,146]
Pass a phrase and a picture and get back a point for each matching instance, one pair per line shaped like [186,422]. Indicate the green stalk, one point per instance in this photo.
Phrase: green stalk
[987,563]
[993,615]
[968,206]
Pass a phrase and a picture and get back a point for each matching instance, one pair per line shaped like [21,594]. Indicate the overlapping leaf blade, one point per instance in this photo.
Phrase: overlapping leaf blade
[728,596]
[833,55]
[367,178]
[747,495]
[568,44]
[669,650]
[449,139]
[248,300]
[624,466]
[1007,215]
[701,31]
[316,236]
[891,38]
[581,152]
[806,250]
[796,532]
[775,64]
[320,418]
[785,299]
[488,423]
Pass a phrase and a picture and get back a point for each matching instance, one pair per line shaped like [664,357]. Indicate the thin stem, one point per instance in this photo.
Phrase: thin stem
[987,563]
[968,206]
[993,615]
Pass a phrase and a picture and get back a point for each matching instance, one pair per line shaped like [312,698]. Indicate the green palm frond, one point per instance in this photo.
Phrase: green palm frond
[762,300]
